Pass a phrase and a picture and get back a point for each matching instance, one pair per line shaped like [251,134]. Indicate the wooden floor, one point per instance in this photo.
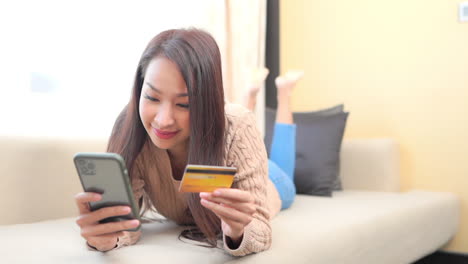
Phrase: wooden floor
[444,258]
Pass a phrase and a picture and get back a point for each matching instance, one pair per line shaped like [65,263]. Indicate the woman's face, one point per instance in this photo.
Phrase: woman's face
[164,105]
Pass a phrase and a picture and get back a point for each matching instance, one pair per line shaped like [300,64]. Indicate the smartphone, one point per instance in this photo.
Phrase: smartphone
[106,174]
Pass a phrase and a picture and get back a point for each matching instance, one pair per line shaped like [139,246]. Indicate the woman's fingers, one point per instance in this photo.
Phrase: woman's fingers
[82,201]
[248,208]
[234,207]
[105,237]
[103,213]
[91,218]
[227,212]
[234,195]
[108,228]
[101,236]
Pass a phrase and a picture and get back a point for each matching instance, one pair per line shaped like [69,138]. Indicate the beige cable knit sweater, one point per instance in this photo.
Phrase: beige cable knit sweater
[244,150]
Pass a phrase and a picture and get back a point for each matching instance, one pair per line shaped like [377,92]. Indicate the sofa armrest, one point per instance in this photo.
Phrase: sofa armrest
[370,164]
[39,180]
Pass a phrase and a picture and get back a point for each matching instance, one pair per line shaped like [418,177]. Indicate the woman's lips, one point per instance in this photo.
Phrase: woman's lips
[164,134]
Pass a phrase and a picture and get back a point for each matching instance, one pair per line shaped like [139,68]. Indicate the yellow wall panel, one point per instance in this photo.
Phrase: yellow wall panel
[401,69]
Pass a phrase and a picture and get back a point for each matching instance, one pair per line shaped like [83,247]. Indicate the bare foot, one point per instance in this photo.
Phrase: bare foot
[256,79]
[286,83]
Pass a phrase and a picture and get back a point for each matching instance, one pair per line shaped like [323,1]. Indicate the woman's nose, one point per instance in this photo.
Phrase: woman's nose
[165,117]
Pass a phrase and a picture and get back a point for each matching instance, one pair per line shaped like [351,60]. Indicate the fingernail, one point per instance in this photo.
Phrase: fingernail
[217,192]
[126,210]
[134,223]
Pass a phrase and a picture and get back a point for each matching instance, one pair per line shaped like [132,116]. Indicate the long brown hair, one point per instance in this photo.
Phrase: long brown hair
[197,56]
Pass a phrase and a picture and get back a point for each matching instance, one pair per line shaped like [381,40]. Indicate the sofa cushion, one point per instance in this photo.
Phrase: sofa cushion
[318,144]
[352,227]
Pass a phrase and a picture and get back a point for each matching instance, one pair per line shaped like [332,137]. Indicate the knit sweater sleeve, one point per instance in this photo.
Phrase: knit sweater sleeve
[247,153]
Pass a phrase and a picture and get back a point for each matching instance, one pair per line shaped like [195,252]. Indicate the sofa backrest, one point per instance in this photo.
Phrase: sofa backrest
[39,180]
[370,164]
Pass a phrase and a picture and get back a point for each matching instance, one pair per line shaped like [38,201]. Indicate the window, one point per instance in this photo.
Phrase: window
[67,67]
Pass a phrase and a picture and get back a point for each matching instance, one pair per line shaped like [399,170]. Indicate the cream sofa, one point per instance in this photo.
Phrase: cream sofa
[368,222]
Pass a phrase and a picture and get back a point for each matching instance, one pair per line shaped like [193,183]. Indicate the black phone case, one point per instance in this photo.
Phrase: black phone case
[106,174]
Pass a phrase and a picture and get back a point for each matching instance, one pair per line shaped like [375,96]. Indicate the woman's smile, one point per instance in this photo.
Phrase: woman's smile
[164,134]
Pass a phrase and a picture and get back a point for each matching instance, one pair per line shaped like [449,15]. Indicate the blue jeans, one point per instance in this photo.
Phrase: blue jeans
[282,161]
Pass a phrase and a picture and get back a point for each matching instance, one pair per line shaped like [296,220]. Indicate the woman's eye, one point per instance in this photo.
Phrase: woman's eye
[183,105]
[151,98]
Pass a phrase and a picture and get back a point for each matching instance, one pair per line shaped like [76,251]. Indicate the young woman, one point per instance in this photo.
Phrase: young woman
[177,116]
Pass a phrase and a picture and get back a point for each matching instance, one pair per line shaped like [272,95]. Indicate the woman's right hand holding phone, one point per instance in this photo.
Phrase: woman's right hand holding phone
[103,237]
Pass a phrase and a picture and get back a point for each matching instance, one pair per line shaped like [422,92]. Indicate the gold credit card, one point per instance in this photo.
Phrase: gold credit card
[202,178]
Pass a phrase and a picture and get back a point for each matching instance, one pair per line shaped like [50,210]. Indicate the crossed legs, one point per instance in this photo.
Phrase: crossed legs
[283,148]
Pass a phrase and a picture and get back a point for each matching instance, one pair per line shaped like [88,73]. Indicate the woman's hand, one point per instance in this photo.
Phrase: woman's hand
[234,207]
[103,237]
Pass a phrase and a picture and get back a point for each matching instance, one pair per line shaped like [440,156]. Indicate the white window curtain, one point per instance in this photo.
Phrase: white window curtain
[245,49]
[66,67]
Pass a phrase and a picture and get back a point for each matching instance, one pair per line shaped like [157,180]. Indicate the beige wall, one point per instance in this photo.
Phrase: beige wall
[401,68]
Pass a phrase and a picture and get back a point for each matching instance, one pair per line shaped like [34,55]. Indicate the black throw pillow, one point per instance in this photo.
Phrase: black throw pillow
[318,144]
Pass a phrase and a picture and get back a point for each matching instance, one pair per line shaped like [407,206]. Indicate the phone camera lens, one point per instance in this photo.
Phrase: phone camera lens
[87,167]
[91,166]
